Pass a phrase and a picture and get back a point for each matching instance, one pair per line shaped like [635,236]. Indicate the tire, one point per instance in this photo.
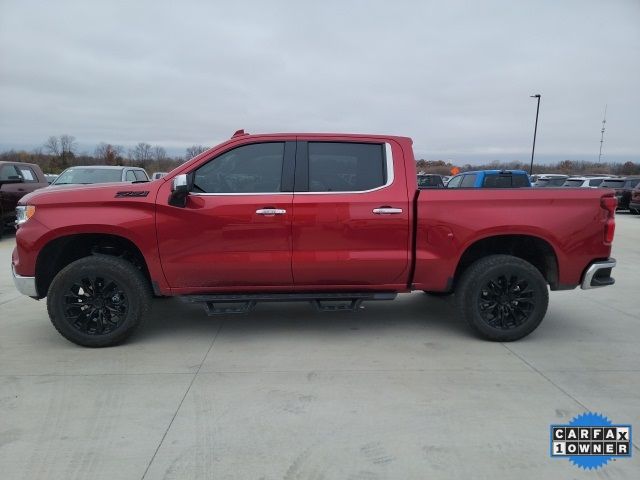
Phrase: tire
[104,319]
[633,211]
[438,294]
[501,280]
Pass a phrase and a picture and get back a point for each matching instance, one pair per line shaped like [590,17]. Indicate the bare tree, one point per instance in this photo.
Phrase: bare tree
[159,153]
[52,146]
[109,154]
[141,154]
[68,145]
[194,151]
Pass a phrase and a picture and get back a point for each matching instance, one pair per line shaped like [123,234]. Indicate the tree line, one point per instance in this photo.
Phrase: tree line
[568,167]
[60,152]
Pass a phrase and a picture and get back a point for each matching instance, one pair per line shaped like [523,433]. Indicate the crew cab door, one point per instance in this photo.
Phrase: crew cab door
[351,214]
[235,230]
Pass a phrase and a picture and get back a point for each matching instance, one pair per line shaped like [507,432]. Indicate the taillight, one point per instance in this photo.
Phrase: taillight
[609,204]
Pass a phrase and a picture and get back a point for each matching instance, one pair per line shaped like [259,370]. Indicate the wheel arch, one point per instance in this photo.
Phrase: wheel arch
[61,251]
[538,251]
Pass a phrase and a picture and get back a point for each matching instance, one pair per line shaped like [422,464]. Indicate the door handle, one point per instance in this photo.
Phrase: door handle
[271,211]
[387,211]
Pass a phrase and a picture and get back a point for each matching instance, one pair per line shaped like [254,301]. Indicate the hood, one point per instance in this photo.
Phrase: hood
[98,192]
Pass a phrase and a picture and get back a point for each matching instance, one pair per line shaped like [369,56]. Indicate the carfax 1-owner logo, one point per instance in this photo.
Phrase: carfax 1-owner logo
[590,440]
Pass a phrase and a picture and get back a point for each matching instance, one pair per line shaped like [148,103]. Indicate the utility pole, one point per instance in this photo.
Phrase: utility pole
[604,120]
[535,131]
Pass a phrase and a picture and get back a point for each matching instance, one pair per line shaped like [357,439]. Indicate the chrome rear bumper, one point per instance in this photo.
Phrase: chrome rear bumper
[599,274]
[25,285]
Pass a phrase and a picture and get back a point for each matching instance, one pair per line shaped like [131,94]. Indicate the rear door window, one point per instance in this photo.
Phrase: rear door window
[595,182]
[522,181]
[612,184]
[469,181]
[27,174]
[346,167]
[497,181]
[573,183]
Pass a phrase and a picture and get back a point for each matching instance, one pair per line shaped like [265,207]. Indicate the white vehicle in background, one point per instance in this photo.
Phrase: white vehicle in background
[85,175]
[585,182]
[550,180]
[157,175]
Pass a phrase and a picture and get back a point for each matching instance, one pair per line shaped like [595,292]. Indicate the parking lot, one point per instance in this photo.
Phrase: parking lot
[401,390]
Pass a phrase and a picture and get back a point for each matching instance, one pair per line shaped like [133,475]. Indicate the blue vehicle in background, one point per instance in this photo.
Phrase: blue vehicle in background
[490,179]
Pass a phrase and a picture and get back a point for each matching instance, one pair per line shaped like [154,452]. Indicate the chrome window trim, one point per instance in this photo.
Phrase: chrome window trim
[390,179]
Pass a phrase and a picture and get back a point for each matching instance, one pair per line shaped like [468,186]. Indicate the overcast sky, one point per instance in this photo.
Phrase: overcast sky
[455,76]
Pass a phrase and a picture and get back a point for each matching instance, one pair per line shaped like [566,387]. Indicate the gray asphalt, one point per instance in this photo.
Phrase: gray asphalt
[401,390]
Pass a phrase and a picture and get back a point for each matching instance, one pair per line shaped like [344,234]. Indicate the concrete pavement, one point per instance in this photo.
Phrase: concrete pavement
[402,390]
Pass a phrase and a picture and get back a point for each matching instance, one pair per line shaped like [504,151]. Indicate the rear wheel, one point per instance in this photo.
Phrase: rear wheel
[503,298]
[98,301]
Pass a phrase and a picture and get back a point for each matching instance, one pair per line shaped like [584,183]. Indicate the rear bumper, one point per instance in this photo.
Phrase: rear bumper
[598,274]
[25,285]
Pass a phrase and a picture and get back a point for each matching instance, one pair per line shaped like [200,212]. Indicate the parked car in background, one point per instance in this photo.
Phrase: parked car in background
[550,180]
[430,180]
[490,179]
[157,175]
[50,177]
[623,187]
[585,182]
[634,204]
[445,179]
[100,174]
[16,180]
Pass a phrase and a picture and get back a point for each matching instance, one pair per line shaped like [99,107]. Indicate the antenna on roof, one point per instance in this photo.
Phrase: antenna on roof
[604,120]
[239,133]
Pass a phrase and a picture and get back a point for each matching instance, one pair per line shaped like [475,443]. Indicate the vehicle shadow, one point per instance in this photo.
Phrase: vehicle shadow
[171,316]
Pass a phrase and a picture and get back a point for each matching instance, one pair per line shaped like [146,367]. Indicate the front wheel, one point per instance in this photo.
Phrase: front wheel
[503,298]
[98,301]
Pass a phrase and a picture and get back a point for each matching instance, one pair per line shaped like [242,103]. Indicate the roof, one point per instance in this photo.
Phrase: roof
[496,172]
[103,167]
[592,178]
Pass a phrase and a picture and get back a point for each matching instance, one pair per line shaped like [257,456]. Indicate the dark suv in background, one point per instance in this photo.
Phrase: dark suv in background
[623,188]
[16,180]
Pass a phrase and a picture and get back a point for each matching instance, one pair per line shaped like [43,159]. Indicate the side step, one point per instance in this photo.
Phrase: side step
[228,304]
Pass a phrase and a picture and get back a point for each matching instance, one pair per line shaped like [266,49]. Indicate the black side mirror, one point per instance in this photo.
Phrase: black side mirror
[180,188]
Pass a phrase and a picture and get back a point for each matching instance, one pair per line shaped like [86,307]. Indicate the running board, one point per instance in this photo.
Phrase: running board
[229,304]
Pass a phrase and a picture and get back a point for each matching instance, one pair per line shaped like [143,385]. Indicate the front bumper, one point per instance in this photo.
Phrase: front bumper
[634,206]
[599,274]
[25,285]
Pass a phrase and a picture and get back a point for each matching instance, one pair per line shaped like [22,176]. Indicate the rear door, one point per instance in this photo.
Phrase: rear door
[351,215]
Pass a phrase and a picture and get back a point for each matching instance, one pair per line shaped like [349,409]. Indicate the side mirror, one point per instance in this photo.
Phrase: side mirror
[180,187]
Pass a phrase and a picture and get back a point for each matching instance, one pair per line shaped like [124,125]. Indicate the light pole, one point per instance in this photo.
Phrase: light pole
[535,131]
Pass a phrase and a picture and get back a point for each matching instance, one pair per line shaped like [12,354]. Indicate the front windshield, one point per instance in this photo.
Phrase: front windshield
[88,175]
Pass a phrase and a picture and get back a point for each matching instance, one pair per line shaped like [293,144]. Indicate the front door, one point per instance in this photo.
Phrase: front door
[235,231]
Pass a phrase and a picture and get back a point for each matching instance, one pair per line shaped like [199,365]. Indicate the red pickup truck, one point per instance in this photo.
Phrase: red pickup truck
[326,218]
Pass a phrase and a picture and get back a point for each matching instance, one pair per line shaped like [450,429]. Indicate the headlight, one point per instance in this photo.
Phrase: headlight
[24,213]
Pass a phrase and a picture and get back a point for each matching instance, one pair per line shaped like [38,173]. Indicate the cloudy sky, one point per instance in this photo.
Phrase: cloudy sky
[454,75]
